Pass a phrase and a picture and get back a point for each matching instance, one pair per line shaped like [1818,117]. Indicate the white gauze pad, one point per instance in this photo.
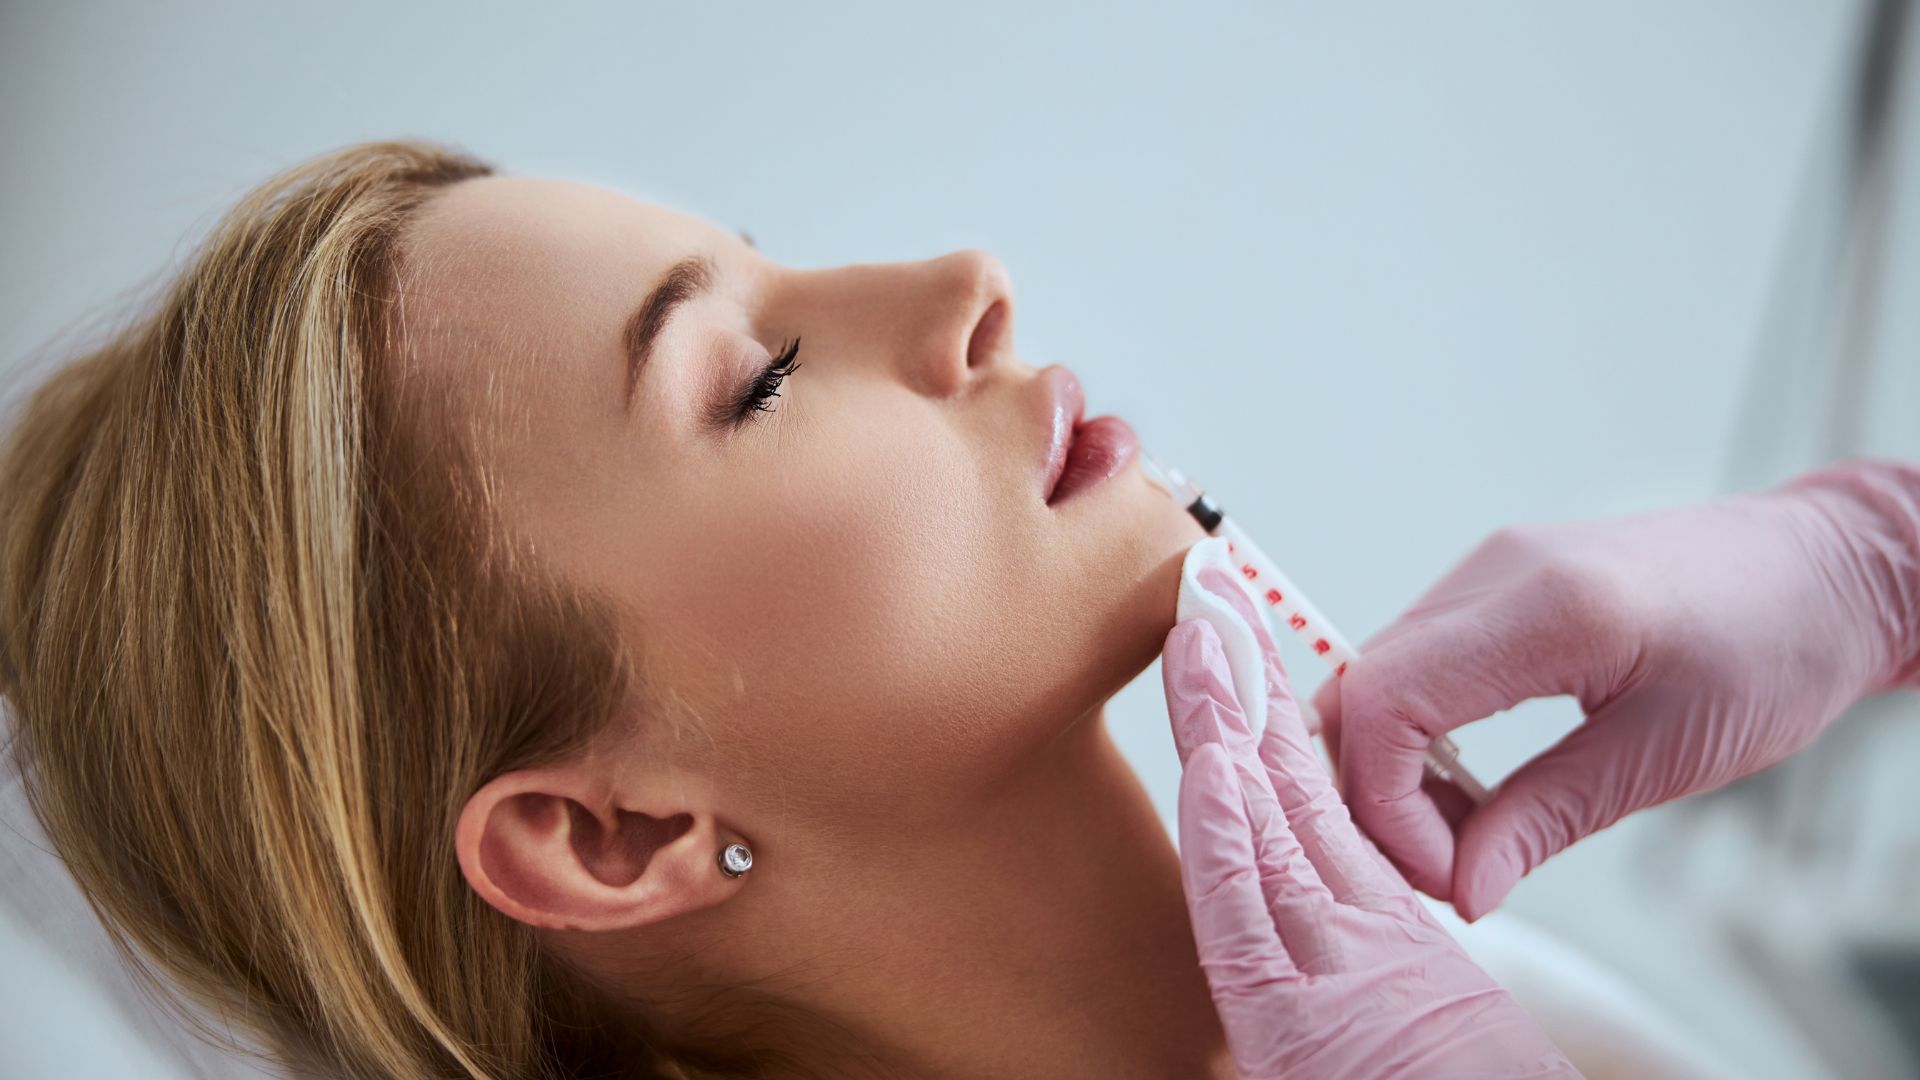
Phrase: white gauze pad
[1237,639]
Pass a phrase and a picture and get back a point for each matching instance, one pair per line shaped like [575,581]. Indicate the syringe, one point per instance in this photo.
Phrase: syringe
[1292,607]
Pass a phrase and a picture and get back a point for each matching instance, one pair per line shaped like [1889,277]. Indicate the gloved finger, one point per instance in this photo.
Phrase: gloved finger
[1453,803]
[1240,946]
[1354,873]
[1199,688]
[1601,771]
[1454,806]
[1299,907]
[1419,684]
[1346,866]
[1326,707]
[1203,708]
[1280,698]
[1382,770]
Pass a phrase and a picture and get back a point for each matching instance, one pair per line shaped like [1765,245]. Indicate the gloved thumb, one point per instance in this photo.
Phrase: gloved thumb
[1600,772]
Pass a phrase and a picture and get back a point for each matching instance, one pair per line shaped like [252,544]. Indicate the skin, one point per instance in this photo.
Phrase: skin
[897,652]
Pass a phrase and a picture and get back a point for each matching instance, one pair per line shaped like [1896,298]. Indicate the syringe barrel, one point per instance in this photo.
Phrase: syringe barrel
[1291,606]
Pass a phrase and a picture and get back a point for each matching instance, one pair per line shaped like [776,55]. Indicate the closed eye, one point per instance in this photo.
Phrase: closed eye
[758,394]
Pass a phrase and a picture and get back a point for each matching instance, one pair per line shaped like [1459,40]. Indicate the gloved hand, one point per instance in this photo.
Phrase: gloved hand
[1703,643]
[1321,960]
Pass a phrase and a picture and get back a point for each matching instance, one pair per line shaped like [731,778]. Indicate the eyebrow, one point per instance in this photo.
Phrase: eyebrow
[687,279]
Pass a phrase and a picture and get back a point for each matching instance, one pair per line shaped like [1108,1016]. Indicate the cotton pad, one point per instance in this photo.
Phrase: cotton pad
[1237,639]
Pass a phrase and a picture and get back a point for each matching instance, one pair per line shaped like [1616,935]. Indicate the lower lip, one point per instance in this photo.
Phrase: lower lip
[1100,449]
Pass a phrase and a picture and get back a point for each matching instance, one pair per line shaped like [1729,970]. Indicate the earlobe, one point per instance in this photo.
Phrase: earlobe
[552,848]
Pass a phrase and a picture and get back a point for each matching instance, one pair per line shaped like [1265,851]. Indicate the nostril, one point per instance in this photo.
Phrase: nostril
[989,335]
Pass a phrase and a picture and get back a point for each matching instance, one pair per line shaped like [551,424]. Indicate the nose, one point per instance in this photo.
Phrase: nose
[968,321]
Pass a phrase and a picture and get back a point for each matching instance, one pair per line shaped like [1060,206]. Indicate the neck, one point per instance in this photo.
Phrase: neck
[1043,933]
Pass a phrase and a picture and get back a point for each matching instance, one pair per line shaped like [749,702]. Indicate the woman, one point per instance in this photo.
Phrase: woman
[391,681]
[488,626]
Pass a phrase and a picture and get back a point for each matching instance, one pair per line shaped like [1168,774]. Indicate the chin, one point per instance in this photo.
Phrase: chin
[1134,631]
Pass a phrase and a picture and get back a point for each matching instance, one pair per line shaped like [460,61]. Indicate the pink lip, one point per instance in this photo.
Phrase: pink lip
[1080,452]
[1065,402]
[1102,448]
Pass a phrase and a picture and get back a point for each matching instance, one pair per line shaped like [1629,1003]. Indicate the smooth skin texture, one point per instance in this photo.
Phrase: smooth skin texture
[1322,961]
[1704,643]
[890,655]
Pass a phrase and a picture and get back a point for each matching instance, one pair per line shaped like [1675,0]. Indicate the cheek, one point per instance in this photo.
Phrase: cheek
[888,620]
[843,613]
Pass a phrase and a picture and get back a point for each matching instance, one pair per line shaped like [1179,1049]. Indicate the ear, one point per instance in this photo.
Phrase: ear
[559,847]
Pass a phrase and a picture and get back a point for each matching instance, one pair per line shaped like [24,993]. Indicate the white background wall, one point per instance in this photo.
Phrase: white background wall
[1384,280]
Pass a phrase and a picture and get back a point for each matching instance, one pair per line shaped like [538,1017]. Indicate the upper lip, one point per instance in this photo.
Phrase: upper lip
[1064,403]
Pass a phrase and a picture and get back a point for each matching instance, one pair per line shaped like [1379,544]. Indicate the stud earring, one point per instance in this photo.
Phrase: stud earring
[735,860]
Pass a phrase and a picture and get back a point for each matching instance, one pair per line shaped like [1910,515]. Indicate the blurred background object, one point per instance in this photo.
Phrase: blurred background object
[1831,838]
[1381,280]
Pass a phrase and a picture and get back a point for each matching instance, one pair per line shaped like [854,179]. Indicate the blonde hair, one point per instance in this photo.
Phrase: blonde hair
[261,638]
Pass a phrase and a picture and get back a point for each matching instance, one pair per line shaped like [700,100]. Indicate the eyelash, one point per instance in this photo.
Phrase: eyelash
[766,386]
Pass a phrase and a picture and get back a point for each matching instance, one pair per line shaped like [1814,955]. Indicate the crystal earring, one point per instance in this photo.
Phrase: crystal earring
[735,860]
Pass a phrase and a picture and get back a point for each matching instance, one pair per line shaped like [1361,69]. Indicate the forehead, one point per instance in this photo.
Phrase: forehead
[495,236]
[527,269]
[493,212]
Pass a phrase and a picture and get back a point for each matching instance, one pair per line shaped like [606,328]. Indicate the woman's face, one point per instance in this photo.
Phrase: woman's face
[861,588]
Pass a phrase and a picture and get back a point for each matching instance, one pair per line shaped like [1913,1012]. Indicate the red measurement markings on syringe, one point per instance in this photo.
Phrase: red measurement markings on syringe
[1297,621]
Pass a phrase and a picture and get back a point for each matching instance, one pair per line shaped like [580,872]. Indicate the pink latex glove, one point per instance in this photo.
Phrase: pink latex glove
[1321,960]
[1703,643]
